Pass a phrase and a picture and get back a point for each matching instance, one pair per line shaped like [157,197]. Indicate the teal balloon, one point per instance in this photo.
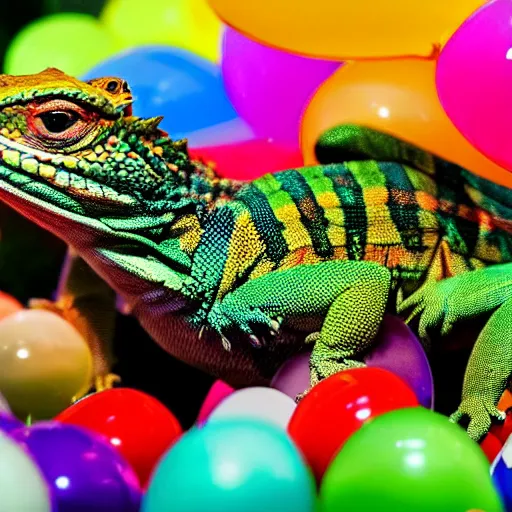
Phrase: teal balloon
[409,460]
[230,466]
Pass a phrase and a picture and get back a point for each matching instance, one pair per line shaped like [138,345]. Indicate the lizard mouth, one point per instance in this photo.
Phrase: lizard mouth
[53,178]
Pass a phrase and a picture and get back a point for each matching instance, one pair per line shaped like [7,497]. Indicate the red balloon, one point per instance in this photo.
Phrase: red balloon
[503,429]
[248,160]
[491,446]
[338,406]
[137,424]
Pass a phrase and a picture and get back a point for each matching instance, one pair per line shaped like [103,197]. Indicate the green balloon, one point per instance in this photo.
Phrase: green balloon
[409,460]
[71,42]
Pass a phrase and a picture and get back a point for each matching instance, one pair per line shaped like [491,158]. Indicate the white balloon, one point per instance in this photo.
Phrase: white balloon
[22,486]
[257,402]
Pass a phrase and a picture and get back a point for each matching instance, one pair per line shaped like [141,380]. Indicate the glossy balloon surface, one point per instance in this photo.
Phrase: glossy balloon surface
[84,471]
[137,425]
[45,363]
[473,76]
[229,466]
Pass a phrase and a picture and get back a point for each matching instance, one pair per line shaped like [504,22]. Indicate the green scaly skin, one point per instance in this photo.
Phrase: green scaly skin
[235,278]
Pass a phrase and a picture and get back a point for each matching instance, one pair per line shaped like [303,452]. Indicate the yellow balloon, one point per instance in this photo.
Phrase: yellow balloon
[186,24]
[398,97]
[344,29]
[45,363]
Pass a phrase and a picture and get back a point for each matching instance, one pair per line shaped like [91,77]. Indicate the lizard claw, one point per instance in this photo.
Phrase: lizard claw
[201,331]
[103,382]
[479,411]
[256,342]
[225,343]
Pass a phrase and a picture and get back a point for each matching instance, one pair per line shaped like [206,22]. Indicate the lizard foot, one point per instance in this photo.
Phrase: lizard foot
[103,382]
[441,304]
[479,411]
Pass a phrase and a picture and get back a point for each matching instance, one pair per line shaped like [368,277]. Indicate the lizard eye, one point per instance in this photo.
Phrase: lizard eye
[58,121]
[112,86]
[59,124]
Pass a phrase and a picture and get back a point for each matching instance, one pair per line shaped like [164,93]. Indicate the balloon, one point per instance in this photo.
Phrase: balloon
[8,422]
[260,403]
[398,97]
[505,400]
[409,459]
[22,486]
[184,88]
[398,350]
[71,42]
[229,132]
[45,363]
[270,88]
[218,392]
[137,425]
[232,465]
[473,74]
[502,430]
[250,159]
[187,24]
[501,471]
[84,471]
[332,29]
[491,446]
[338,406]
[8,305]
[292,378]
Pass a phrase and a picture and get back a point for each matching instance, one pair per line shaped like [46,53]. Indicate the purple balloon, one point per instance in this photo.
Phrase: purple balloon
[293,377]
[270,88]
[8,422]
[84,471]
[396,349]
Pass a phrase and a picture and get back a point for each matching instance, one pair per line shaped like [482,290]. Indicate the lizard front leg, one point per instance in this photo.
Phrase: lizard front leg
[489,367]
[350,295]
[442,304]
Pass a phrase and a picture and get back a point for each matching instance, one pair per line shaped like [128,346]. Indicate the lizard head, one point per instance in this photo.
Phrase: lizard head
[71,149]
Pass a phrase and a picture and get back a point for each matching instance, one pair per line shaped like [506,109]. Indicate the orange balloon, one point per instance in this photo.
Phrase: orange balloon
[397,97]
[344,29]
[8,305]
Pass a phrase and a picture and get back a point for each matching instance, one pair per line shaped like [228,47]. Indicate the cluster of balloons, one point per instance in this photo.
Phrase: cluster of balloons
[396,80]
[122,450]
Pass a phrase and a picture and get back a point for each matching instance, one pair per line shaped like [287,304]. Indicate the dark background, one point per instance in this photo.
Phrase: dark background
[30,262]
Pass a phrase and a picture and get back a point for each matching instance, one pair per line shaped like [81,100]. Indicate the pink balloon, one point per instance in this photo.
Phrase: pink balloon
[249,159]
[270,88]
[215,396]
[474,76]
[396,349]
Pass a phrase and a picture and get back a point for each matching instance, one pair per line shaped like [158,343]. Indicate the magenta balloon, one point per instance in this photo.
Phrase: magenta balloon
[215,396]
[270,88]
[474,73]
[398,350]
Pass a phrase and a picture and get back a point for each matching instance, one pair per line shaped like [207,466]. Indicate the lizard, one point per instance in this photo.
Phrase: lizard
[235,277]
